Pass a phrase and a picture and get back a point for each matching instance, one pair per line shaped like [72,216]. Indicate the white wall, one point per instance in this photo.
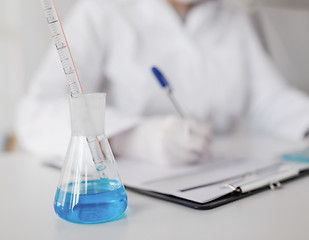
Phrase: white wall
[285,28]
[10,61]
[35,32]
[24,37]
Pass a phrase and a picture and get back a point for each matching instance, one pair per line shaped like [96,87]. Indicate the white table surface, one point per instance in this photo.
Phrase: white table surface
[28,188]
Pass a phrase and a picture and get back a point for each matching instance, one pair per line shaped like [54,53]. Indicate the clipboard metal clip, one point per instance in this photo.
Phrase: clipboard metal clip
[275,185]
[232,187]
[272,186]
[273,181]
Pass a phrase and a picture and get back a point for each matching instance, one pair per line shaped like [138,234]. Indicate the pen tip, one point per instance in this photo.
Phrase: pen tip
[159,76]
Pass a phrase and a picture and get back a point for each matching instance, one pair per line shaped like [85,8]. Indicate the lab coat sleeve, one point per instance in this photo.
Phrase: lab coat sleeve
[275,107]
[43,119]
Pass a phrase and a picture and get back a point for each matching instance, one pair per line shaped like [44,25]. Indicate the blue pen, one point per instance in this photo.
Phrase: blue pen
[164,84]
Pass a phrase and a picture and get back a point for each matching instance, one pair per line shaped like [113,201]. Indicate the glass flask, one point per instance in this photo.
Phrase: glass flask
[90,189]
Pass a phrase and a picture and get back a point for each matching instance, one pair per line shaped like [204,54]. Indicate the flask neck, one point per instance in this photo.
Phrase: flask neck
[88,114]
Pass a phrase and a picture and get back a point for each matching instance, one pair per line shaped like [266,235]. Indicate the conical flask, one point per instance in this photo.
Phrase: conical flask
[90,189]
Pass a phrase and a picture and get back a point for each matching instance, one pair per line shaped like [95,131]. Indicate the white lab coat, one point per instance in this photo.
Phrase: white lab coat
[213,60]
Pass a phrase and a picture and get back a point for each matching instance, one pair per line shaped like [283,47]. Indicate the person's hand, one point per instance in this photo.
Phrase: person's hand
[184,140]
[166,140]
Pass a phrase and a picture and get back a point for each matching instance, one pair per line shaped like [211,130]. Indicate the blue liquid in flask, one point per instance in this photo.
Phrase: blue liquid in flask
[97,201]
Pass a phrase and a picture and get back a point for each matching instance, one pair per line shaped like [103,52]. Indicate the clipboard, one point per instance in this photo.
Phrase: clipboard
[252,178]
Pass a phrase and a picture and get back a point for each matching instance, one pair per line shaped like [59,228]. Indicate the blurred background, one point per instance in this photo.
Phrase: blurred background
[24,37]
